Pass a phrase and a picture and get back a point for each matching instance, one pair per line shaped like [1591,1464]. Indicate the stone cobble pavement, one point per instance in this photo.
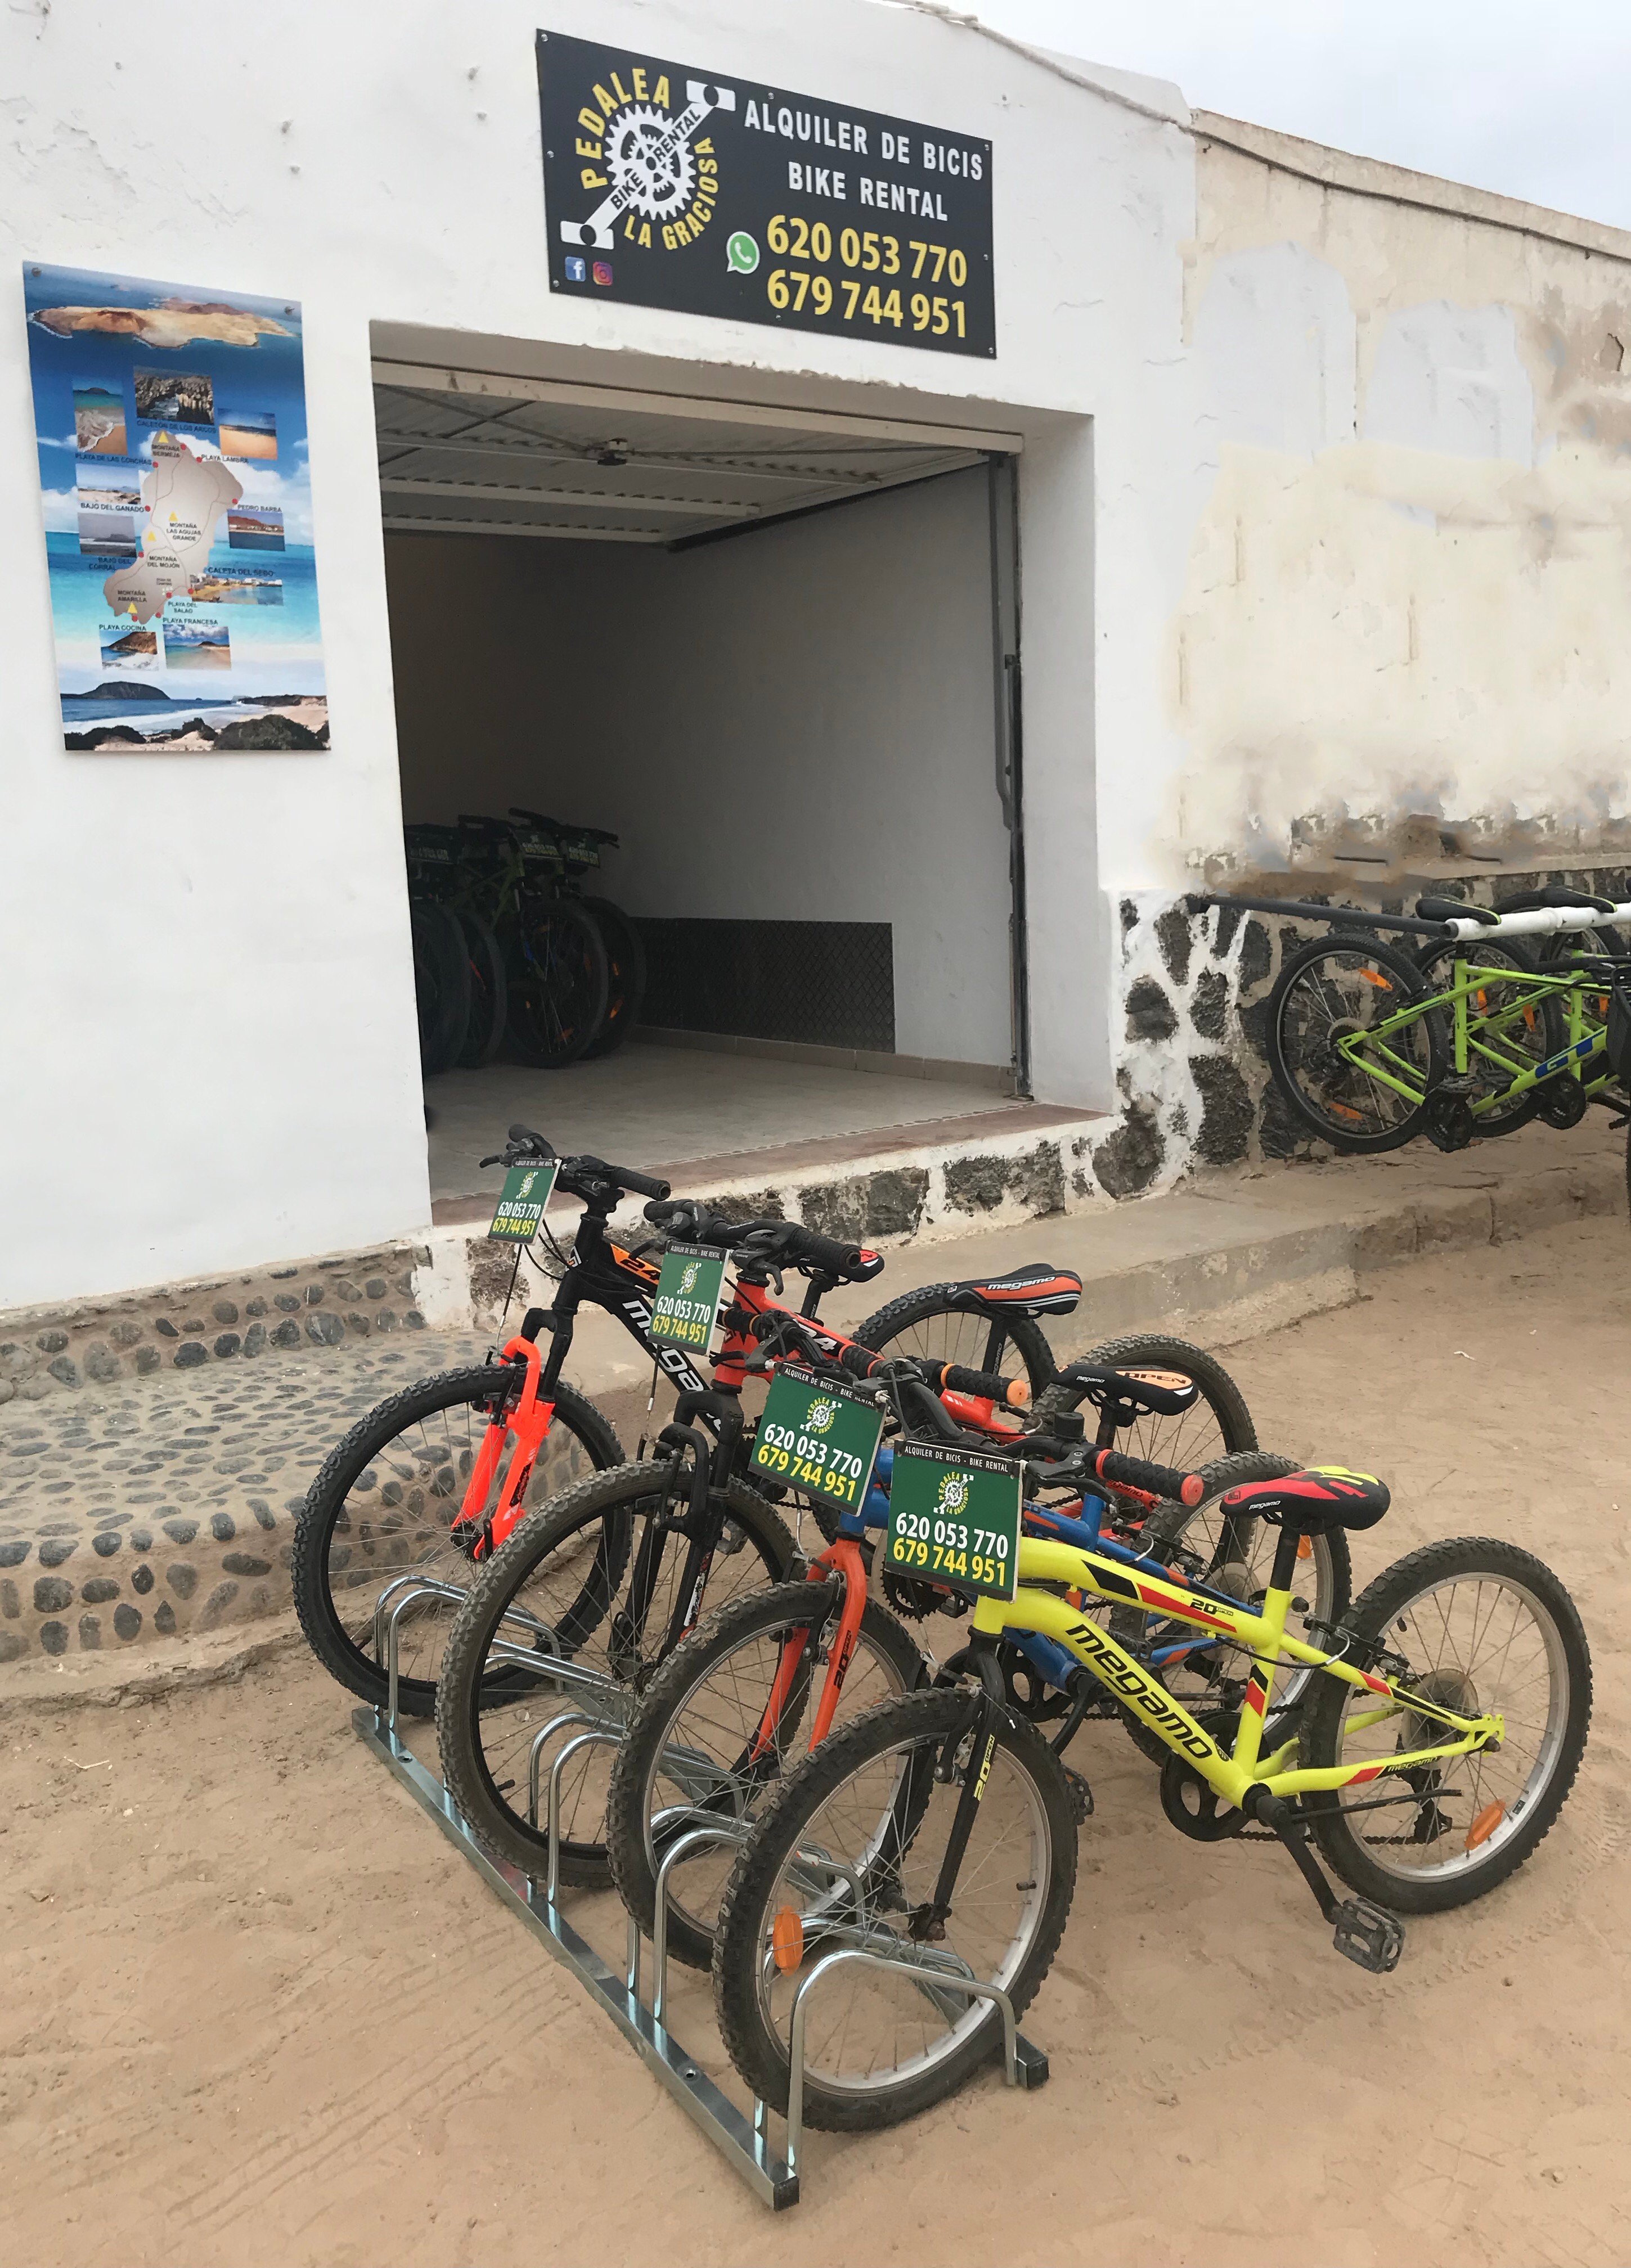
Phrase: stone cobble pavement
[167,1504]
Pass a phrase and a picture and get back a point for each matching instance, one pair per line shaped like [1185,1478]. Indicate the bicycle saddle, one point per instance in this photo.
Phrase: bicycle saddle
[1523,902]
[1142,1392]
[1310,1502]
[1454,909]
[1034,1291]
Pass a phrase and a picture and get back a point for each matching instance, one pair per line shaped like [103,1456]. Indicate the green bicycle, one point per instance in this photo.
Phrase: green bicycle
[1471,1037]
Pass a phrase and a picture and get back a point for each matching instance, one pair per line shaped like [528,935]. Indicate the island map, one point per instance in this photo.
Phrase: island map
[175,478]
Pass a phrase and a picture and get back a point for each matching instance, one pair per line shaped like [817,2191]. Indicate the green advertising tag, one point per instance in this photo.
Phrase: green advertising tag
[817,1436]
[520,1204]
[689,1292]
[955,1519]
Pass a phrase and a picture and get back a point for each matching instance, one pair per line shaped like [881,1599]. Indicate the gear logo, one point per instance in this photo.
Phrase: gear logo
[689,1276]
[954,1493]
[525,1190]
[821,1416]
[656,172]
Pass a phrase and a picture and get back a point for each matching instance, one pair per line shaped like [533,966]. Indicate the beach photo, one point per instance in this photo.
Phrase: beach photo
[251,433]
[237,590]
[174,397]
[109,488]
[136,649]
[197,645]
[98,421]
[107,534]
[255,528]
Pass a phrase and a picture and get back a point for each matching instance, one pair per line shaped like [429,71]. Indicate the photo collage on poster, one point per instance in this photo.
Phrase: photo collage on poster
[171,426]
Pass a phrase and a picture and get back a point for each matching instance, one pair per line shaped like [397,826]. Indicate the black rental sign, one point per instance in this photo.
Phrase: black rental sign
[668,186]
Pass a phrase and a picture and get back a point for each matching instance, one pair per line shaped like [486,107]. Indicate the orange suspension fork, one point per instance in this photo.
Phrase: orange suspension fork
[843,1558]
[527,1423]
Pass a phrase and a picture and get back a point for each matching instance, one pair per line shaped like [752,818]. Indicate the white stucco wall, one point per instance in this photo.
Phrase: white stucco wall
[796,724]
[1408,588]
[207,961]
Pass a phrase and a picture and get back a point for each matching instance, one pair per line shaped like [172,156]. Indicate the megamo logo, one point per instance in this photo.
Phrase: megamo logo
[689,1276]
[653,170]
[821,1416]
[954,1493]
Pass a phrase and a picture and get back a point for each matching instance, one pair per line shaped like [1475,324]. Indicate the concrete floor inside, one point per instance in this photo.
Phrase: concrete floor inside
[652,1106]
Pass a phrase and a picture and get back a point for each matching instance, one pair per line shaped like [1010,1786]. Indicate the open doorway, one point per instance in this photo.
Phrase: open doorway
[773,659]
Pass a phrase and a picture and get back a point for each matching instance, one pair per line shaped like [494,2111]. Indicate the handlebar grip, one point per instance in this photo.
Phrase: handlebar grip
[824,1252]
[534,1142]
[989,1385]
[640,1185]
[1159,1480]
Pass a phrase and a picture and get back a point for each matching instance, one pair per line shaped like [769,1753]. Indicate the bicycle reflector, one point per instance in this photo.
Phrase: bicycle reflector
[1482,1828]
[788,1940]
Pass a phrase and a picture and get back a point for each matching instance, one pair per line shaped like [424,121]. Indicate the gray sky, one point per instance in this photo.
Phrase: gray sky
[1529,97]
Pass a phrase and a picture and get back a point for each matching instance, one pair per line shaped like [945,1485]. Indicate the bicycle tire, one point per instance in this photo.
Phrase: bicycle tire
[719,1647]
[441,978]
[626,964]
[609,1502]
[558,982]
[1181,1442]
[484,1029]
[971,1342]
[313,1564]
[921,1723]
[1547,1024]
[1340,1121]
[1381,1615]
[1174,1526]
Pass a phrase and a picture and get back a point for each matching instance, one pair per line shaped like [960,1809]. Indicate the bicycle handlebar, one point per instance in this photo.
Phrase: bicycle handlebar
[1156,1480]
[526,1141]
[939,1377]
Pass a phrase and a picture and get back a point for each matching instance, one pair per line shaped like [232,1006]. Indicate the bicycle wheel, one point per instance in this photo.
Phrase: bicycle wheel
[1341,989]
[384,1502]
[483,1032]
[626,963]
[1508,1032]
[557,978]
[1218,1424]
[562,1590]
[441,983]
[1480,1626]
[848,1853]
[947,1322]
[1235,1556]
[704,1748]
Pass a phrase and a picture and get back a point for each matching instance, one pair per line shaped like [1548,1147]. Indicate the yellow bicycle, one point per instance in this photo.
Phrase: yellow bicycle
[1426,1757]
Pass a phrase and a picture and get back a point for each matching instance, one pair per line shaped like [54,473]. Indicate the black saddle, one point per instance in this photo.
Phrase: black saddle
[1310,1502]
[1035,1291]
[1523,902]
[1455,910]
[1133,1393]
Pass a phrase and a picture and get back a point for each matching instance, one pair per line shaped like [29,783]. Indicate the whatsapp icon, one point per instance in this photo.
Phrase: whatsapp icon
[741,252]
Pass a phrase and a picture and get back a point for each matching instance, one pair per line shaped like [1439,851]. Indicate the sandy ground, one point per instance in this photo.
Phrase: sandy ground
[256,2009]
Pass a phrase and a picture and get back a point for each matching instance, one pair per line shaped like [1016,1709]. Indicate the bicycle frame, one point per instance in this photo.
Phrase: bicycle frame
[1480,1035]
[1232,1774]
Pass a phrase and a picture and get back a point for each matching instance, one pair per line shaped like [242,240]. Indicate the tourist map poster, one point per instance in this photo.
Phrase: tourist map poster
[171,426]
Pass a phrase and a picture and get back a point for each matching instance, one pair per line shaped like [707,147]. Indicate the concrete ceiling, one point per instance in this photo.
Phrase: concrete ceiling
[458,462]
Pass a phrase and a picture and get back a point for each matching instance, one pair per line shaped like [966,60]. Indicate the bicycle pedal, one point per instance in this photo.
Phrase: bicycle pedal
[1081,1795]
[1367,1935]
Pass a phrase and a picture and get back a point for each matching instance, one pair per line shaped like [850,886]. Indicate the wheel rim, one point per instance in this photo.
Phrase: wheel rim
[574,1612]
[397,1516]
[867,2030]
[962,1336]
[1345,992]
[703,1774]
[1492,1634]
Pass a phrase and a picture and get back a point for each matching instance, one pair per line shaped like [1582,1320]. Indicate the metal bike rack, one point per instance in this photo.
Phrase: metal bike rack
[744,2142]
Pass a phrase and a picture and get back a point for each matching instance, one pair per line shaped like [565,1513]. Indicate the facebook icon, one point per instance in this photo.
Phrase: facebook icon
[577,270]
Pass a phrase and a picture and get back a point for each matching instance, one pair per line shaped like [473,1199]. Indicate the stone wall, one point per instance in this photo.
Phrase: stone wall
[315,1303]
